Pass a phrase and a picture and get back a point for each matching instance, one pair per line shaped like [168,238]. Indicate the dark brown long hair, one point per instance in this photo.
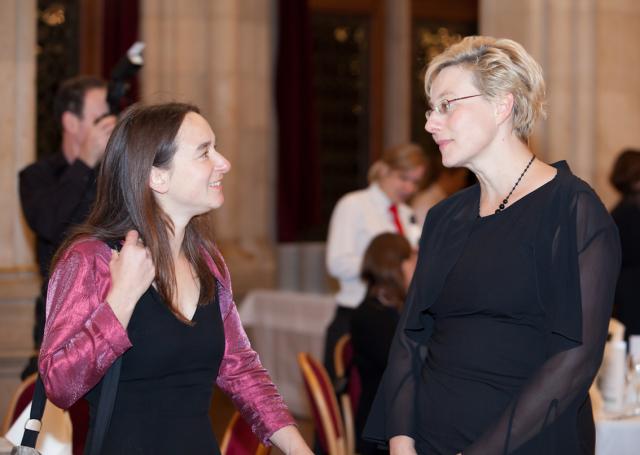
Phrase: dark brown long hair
[382,268]
[145,137]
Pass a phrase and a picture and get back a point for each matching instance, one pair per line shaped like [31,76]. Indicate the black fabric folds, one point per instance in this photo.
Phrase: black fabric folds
[577,261]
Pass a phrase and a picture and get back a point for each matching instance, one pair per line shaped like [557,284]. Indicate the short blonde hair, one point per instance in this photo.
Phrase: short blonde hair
[499,66]
[404,157]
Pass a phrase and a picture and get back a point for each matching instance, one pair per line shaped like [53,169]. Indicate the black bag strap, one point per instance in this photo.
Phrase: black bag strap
[107,398]
[32,427]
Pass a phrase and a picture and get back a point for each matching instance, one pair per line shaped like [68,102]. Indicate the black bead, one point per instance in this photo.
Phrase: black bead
[497,211]
[505,201]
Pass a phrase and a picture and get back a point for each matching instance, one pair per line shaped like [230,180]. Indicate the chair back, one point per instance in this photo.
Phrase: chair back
[346,368]
[324,407]
[349,386]
[19,401]
[238,439]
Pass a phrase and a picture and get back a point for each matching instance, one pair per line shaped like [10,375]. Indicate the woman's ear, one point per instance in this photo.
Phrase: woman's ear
[504,107]
[159,180]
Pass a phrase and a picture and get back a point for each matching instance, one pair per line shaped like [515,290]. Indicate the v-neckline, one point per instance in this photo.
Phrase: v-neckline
[161,301]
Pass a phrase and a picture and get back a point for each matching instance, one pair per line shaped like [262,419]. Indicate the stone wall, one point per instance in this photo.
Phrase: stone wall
[18,276]
[220,56]
[588,50]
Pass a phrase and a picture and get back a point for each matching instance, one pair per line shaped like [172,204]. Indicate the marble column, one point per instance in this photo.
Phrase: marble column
[397,73]
[18,273]
[220,55]
[617,94]
[587,51]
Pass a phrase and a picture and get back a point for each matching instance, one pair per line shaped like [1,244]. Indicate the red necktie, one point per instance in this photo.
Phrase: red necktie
[396,219]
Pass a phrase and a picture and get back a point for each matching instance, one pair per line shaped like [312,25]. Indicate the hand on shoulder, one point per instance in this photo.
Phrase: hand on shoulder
[132,272]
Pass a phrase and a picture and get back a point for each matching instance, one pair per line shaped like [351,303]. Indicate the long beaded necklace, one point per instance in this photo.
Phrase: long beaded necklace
[505,201]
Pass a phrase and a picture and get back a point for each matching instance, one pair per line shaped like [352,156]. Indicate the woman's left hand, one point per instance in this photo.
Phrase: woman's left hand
[289,440]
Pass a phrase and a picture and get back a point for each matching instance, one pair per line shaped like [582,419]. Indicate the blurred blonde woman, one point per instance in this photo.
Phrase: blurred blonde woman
[361,215]
[505,323]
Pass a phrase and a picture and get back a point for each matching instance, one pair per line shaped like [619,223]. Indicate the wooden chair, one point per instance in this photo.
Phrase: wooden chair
[324,407]
[20,400]
[349,386]
[238,439]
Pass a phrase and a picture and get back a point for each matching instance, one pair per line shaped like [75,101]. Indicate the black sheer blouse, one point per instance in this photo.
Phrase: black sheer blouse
[576,252]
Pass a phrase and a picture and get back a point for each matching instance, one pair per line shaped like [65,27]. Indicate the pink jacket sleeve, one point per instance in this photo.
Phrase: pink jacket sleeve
[241,374]
[82,335]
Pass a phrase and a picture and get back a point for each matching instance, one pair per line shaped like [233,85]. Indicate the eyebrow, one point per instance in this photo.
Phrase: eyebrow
[443,95]
[203,146]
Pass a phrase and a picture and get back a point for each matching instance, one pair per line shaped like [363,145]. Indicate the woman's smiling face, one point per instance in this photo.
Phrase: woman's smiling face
[194,177]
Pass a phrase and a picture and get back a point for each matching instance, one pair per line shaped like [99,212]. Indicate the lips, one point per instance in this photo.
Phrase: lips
[442,143]
[215,185]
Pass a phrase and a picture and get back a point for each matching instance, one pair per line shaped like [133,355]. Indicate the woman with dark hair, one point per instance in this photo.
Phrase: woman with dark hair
[161,299]
[625,177]
[387,268]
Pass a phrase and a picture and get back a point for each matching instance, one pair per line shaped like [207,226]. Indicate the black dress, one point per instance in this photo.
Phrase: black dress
[372,327]
[504,326]
[166,382]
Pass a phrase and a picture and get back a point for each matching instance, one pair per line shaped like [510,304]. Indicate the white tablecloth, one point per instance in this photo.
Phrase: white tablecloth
[280,324]
[614,436]
[617,437]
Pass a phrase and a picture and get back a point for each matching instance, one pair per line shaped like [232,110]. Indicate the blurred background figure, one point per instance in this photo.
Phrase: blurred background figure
[57,191]
[387,269]
[446,182]
[361,215]
[625,177]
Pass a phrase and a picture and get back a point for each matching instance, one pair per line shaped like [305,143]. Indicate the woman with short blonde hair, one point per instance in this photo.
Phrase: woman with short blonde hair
[498,66]
[505,323]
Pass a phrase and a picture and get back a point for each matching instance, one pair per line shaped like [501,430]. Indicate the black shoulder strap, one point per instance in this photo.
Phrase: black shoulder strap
[107,399]
[105,408]
[30,436]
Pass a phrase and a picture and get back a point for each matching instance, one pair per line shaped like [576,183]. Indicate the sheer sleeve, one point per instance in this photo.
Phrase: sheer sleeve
[563,380]
[393,410]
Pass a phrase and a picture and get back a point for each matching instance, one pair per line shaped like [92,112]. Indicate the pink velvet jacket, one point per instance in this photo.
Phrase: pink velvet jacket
[83,338]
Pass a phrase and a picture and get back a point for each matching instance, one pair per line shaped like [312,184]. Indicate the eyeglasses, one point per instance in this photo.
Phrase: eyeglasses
[444,106]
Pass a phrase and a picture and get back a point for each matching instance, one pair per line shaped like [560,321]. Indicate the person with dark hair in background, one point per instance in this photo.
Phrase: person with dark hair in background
[505,322]
[57,191]
[625,177]
[142,281]
[387,269]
